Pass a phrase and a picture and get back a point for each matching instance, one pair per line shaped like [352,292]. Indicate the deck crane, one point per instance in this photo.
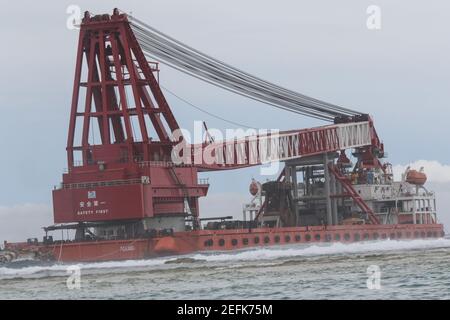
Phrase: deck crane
[131,177]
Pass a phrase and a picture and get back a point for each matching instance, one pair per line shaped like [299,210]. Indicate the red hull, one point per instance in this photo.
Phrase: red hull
[220,240]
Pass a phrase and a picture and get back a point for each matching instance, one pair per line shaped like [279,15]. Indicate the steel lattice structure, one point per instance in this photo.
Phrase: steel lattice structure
[116,89]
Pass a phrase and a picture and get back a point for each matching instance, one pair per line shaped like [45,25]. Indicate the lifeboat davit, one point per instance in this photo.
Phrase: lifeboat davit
[416,177]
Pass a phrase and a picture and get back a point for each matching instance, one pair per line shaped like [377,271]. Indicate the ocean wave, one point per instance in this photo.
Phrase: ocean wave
[270,253]
[61,269]
[255,254]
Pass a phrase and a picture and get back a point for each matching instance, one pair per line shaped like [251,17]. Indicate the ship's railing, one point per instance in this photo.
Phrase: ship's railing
[413,194]
[417,212]
[203,181]
[140,162]
[93,184]
[84,185]
[164,164]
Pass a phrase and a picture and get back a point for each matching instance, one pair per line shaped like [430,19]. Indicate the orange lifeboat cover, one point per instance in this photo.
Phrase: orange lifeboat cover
[416,177]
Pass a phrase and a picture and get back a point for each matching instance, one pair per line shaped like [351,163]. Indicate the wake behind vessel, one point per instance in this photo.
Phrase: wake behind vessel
[132,189]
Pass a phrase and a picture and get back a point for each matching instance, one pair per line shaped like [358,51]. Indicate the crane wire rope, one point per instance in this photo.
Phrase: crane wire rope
[179,56]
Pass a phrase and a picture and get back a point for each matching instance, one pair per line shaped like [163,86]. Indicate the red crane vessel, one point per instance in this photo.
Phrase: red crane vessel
[135,193]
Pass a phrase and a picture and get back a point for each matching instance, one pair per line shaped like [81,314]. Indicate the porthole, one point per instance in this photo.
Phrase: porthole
[221,242]
[392,236]
[347,237]
[375,236]
[366,236]
[298,238]
[317,237]
[256,240]
[383,236]
[287,238]
[337,237]
[277,239]
[245,241]
[328,237]
[356,237]
[308,237]
[399,235]
[208,243]
[234,242]
[416,234]
[266,239]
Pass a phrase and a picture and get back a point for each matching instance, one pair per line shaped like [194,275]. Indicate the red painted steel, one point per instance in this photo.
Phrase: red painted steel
[258,149]
[128,168]
[224,240]
[105,203]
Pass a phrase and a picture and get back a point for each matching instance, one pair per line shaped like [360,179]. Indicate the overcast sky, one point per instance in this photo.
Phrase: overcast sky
[400,74]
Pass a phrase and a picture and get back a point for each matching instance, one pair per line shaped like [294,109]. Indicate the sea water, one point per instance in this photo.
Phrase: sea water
[389,269]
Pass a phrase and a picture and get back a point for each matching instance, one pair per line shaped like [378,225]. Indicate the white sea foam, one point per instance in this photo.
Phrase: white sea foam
[269,253]
[57,269]
[325,249]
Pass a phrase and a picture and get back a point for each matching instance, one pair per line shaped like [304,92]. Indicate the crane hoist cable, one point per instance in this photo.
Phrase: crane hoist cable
[271,99]
[283,100]
[230,67]
[237,124]
[264,97]
[179,56]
